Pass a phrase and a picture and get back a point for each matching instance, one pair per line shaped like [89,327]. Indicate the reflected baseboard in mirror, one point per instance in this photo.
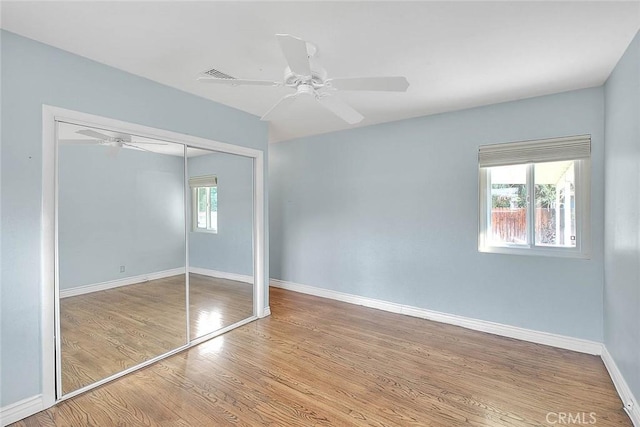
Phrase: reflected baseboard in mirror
[216,303]
[109,331]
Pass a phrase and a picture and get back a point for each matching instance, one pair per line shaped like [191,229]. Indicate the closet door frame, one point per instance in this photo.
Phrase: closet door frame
[49,285]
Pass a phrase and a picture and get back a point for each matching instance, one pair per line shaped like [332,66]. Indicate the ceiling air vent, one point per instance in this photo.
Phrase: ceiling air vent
[218,74]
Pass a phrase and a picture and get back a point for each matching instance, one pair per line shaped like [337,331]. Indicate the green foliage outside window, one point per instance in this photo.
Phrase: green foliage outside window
[518,195]
[214,199]
[202,199]
[545,196]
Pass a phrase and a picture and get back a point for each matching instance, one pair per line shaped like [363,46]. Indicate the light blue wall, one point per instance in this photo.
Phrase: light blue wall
[230,250]
[34,74]
[391,212]
[128,210]
[622,216]
[123,208]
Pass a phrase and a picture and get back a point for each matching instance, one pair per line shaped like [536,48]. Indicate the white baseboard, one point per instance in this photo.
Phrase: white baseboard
[86,289]
[222,274]
[629,401]
[554,340]
[21,409]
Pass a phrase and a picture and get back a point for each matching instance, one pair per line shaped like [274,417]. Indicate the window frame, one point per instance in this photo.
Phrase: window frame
[197,183]
[582,249]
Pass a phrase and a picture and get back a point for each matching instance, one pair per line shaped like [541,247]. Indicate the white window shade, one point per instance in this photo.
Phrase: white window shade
[203,181]
[543,150]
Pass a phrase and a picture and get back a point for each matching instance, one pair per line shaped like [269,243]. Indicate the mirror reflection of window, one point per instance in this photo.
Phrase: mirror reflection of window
[204,195]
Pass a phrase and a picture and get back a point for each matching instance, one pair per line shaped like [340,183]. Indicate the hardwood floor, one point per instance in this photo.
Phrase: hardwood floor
[322,362]
[217,303]
[108,331]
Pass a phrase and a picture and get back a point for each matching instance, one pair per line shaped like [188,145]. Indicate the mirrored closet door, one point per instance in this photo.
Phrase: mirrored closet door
[221,277]
[155,245]
[121,252]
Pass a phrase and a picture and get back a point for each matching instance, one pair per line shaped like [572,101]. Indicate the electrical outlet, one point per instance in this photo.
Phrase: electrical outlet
[122,269]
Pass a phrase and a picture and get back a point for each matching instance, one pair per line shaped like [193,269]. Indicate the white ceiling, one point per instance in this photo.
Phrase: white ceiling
[455,54]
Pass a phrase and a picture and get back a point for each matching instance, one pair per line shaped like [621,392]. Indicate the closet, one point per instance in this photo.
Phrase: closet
[155,246]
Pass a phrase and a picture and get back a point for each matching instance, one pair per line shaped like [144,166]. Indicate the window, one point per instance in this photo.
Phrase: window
[534,197]
[204,205]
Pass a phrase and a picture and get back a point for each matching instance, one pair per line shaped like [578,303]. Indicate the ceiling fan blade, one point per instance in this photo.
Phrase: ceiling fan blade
[93,134]
[295,52]
[281,105]
[134,147]
[238,82]
[393,84]
[340,108]
[79,141]
[147,143]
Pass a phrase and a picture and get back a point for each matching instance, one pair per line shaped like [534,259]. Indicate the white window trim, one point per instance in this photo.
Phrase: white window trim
[194,210]
[195,182]
[583,217]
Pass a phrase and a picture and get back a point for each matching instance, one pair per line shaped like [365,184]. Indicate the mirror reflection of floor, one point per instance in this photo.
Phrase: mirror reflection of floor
[108,331]
[230,302]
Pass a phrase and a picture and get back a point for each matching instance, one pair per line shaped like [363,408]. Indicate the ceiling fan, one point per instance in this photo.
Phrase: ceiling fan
[121,140]
[309,79]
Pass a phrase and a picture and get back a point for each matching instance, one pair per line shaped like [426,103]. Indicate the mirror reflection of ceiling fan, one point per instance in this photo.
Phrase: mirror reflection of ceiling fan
[120,140]
[309,79]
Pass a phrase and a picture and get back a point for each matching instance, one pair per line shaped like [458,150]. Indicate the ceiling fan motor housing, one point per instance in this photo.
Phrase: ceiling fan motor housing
[305,89]
[316,79]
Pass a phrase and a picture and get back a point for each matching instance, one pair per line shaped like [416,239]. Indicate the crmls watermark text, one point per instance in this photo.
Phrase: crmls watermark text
[567,418]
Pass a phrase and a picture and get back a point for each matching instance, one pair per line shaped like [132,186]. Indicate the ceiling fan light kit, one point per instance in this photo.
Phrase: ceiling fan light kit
[309,79]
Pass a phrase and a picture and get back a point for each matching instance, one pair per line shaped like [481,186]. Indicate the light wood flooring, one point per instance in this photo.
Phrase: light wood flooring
[108,331]
[322,362]
[217,303]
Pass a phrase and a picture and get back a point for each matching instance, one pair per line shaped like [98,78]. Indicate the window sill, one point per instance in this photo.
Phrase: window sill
[538,251]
